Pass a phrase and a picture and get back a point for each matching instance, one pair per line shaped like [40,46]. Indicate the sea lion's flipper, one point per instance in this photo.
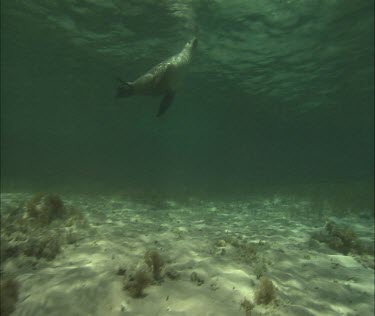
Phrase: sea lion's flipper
[165,103]
[124,90]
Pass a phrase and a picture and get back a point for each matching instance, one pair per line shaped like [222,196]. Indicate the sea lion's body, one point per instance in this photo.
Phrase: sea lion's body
[163,79]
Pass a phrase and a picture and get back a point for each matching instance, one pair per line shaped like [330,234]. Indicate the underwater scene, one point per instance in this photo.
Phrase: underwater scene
[187,157]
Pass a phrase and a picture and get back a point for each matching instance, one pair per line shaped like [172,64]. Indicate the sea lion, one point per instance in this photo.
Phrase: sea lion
[163,79]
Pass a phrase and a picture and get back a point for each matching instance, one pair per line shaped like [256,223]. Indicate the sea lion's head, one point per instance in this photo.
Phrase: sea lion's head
[125,90]
[193,43]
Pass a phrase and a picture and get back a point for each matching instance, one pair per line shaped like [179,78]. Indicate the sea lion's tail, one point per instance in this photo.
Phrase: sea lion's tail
[125,89]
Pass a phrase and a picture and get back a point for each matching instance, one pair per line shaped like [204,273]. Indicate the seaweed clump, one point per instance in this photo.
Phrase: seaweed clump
[248,252]
[194,277]
[43,208]
[266,292]
[339,238]
[136,283]
[44,245]
[9,289]
[148,273]
[155,262]
[248,306]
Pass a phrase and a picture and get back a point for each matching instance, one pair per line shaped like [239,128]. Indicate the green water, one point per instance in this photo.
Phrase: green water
[280,94]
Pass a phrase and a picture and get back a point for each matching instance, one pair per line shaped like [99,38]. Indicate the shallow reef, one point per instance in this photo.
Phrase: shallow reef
[9,289]
[38,227]
[31,230]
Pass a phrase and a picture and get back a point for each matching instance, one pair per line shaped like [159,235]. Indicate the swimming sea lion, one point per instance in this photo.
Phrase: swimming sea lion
[163,79]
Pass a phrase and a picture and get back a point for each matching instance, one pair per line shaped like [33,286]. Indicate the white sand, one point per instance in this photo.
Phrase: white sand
[82,279]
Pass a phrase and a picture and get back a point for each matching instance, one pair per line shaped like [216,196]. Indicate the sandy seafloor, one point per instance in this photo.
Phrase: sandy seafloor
[310,279]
